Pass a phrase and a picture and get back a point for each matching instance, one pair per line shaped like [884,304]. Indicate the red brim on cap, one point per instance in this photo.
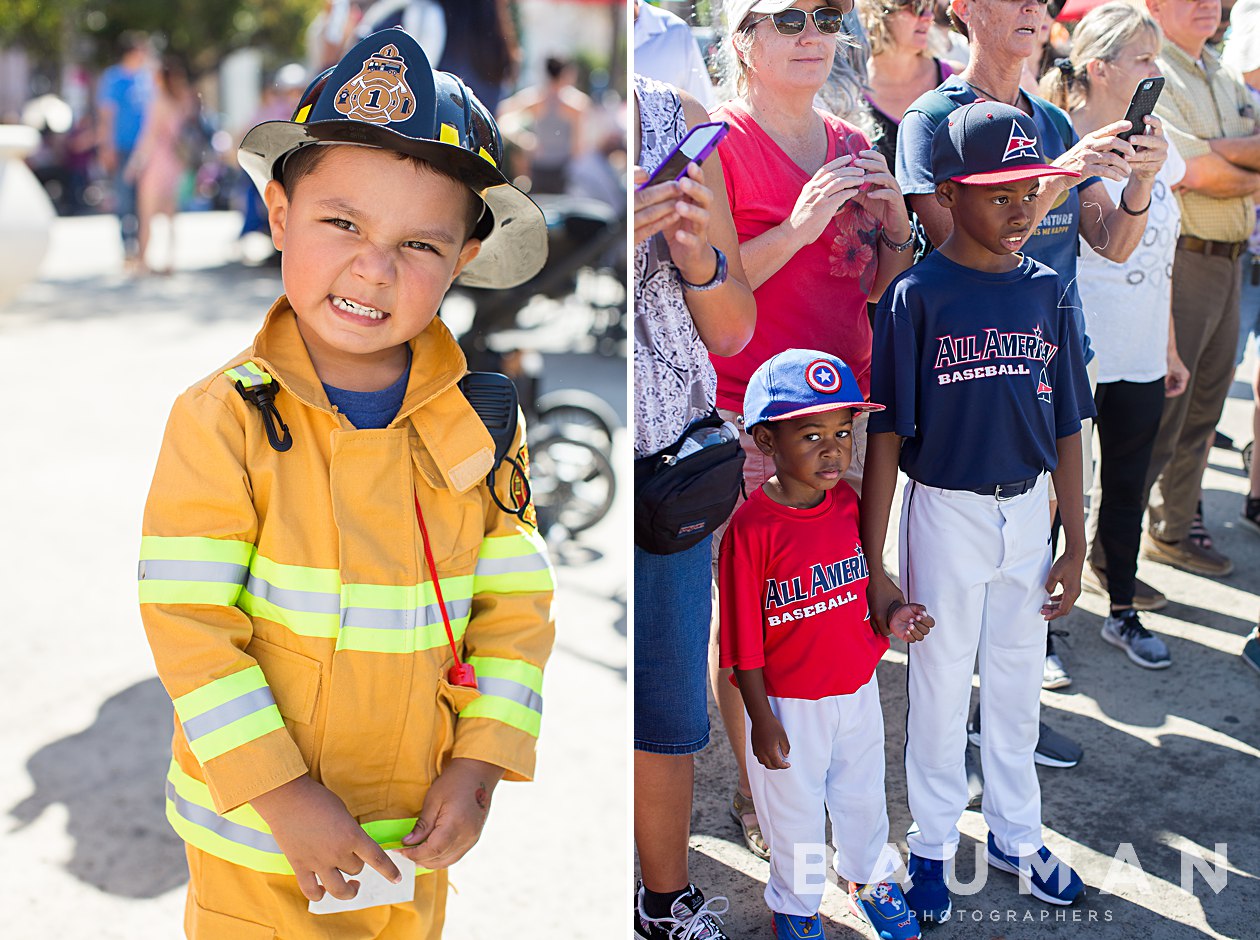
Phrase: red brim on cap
[1013,175]
[830,406]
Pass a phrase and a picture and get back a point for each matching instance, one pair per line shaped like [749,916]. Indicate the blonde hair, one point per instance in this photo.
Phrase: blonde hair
[1100,36]
[732,55]
[873,14]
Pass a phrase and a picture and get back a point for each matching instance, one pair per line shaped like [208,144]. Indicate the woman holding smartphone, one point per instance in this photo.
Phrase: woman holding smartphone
[1113,56]
[822,227]
[690,300]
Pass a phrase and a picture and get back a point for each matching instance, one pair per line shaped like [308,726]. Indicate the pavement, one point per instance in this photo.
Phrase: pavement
[91,362]
[1169,777]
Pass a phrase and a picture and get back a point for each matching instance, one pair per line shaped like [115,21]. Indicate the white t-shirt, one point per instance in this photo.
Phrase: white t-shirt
[665,50]
[1127,305]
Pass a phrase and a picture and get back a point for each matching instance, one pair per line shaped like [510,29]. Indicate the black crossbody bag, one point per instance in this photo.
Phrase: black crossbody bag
[678,501]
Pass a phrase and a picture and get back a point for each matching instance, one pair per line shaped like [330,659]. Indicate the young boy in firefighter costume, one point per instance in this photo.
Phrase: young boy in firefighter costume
[348,606]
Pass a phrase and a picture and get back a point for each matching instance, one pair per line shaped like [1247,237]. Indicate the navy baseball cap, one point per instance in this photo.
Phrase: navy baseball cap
[800,382]
[385,94]
[986,142]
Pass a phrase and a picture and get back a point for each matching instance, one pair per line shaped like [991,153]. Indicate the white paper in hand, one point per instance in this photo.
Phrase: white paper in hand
[374,890]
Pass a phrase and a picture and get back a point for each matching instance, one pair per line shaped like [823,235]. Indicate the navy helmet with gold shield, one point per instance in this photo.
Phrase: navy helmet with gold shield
[383,93]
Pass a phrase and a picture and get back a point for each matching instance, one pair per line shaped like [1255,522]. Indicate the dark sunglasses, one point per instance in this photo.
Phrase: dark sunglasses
[915,7]
[791,22]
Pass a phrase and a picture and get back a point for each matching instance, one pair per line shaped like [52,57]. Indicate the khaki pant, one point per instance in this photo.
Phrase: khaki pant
[1205,314]
[228,902]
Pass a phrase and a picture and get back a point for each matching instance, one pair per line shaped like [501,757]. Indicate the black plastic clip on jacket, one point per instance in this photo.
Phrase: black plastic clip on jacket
[263,397]
[493,396]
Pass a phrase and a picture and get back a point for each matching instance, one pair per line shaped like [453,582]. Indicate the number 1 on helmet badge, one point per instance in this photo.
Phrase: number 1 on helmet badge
[379,94]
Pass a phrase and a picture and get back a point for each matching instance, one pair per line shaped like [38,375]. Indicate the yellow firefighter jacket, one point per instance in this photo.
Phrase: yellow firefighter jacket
[291,613]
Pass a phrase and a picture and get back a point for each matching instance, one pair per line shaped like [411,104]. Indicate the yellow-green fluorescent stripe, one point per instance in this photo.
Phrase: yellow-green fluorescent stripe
[216,593]
[300,622]
[511,546]
[405,596]
[215,693]
[242,731]
[194,548]
[430,636]
[517,670]
[240,835]
[296,577]
[248,375]
[525,582]
[504,710]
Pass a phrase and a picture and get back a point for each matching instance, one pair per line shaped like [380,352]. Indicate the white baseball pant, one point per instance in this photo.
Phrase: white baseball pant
[979,564]
[837,758]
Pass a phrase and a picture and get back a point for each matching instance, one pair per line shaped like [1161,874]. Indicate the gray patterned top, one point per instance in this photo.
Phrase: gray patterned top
[674,382]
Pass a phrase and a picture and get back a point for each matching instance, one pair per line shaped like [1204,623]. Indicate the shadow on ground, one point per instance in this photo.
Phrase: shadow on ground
[110,778]
[232,291]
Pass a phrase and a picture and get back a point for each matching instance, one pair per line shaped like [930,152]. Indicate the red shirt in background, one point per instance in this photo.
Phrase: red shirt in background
[818,299]
[792,584]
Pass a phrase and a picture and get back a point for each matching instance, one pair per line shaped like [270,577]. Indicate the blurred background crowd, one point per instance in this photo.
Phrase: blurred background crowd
[139,104]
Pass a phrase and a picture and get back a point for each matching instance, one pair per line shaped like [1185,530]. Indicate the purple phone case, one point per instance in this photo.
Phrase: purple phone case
[659,177]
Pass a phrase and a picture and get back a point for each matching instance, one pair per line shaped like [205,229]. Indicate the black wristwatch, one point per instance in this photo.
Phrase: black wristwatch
[719,274]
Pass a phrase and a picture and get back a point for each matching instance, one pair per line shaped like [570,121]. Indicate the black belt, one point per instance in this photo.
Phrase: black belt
[1007,490]
[1199,246]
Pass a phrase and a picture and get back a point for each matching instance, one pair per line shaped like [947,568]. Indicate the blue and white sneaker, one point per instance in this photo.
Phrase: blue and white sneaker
[1060,885]
[884,907]
[928,897]
[792,927]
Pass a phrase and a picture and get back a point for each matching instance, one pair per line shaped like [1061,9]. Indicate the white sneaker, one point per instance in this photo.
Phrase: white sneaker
[1054,675]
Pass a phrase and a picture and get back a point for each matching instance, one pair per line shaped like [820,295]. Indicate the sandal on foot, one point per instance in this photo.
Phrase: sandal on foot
[741,807]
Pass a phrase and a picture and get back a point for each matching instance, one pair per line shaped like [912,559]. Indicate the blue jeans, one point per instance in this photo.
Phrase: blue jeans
[125,207]
[672,605]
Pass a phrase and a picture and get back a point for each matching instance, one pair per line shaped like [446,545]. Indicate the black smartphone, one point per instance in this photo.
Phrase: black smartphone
[1142,104]
[694,148]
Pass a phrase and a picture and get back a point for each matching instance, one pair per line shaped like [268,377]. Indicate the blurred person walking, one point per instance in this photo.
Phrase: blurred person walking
[1211,120]
[555,114]
[123,96]
[160,160]
[690,300]
[1113,51]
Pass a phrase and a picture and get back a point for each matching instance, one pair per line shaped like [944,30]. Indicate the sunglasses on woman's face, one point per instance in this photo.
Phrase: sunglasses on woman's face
[791,22]
[914,7]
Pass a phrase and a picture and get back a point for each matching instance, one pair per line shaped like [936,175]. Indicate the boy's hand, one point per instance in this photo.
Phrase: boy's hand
[319,837]
[453,814]
[910,622]
[1065,572]
[770,743]
[881,594]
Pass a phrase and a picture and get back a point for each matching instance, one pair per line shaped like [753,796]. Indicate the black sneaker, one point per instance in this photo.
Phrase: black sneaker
[691,918]
[1053,749]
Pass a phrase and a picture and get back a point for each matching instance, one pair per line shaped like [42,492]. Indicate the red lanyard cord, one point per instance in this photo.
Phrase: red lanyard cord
[461,673]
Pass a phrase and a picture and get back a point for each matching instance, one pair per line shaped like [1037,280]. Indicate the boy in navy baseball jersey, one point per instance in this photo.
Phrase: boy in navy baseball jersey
[796,629]
[980,367]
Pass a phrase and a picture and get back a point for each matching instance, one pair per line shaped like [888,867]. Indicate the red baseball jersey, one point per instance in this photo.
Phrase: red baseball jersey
[793,597]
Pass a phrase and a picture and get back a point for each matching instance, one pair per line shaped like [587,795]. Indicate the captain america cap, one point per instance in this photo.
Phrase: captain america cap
[799,382]
[383,93]
[986,142]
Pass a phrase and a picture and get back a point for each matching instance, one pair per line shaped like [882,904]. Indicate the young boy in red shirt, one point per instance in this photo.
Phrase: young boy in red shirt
[796,629]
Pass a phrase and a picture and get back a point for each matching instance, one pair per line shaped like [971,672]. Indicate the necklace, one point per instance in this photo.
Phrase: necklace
[989,96]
